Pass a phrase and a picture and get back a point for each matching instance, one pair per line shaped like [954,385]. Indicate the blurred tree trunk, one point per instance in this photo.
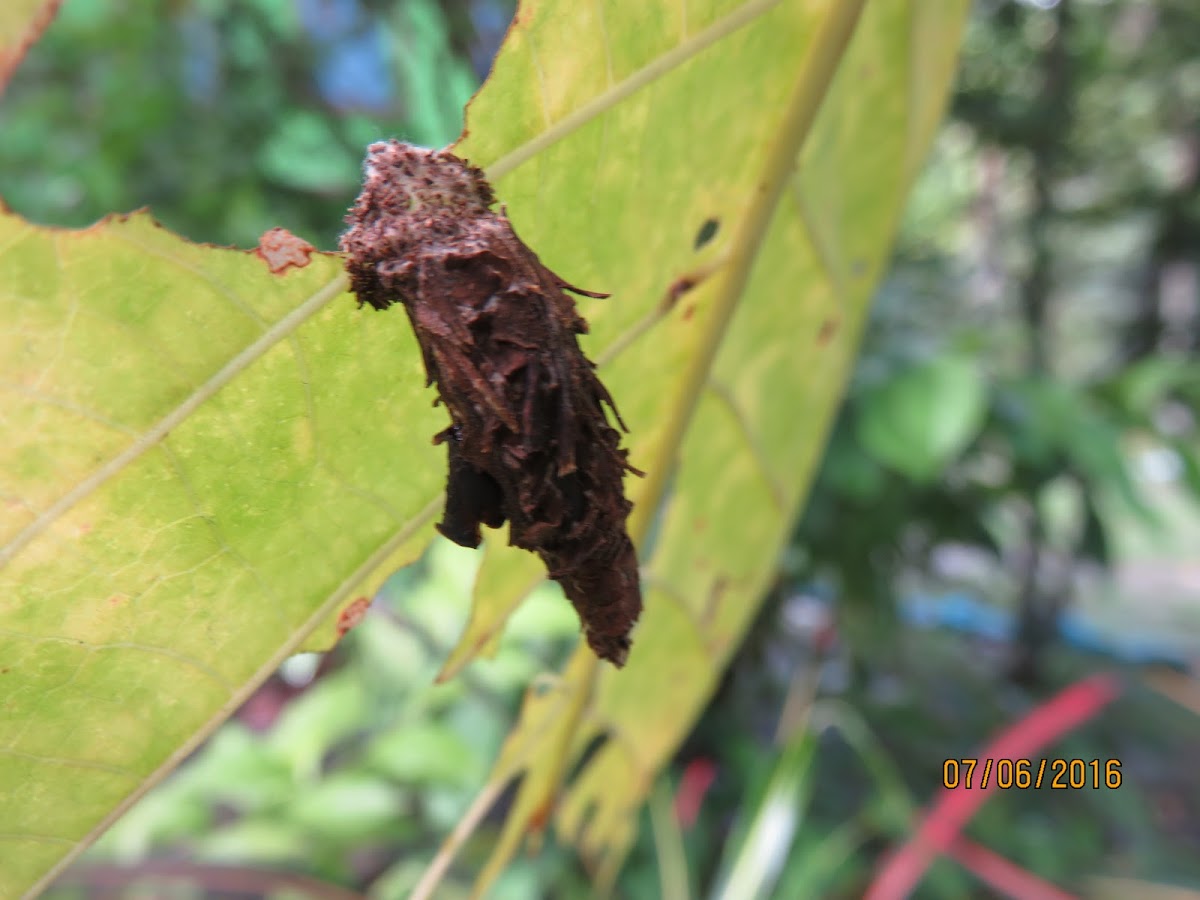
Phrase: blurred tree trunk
[1168,305]
[1038,612]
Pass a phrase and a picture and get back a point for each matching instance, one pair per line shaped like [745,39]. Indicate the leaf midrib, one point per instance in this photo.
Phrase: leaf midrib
[676,56]
[153,435]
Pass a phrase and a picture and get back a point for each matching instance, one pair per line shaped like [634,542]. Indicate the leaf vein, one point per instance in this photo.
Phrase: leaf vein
[648,74]
[753,444]
[155,434]
[230,296]
[66,762]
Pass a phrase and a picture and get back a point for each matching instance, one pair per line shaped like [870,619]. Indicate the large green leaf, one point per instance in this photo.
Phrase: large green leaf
[202,461]
[205,460]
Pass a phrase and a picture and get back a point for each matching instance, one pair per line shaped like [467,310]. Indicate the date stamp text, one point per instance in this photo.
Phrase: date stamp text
[1057,774]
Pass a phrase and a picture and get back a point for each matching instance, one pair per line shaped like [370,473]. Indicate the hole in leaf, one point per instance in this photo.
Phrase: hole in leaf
[707,232]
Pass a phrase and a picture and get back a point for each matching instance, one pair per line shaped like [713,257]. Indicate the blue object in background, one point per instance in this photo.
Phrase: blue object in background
[353,72]
[970,615]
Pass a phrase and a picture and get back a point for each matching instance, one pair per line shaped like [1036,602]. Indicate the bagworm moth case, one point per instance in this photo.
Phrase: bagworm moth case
[529,440]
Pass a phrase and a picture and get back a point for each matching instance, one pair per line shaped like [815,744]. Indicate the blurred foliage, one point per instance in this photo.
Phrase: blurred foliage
[225,118]
[1034,344]
[1029,374]
[1027,338]
[349,767]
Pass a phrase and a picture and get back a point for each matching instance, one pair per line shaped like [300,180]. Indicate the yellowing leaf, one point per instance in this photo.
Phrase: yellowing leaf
[617,133]
[202,460]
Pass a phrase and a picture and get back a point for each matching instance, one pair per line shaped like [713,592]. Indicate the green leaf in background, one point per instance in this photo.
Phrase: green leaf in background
[753,869]
[1141,388]
[438,84]
[420,753]
[305,153]
[1189,459]
[1056,421]
[921,419]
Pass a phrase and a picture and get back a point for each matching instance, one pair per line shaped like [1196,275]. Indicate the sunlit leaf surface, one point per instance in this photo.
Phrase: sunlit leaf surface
[202,459]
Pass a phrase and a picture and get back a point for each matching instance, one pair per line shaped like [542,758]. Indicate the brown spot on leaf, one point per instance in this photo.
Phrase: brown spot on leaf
[539,817]
[354,613]
[678,288]
[529,441]
[685,283]
[716,593]
[482,642]
[688,312]
[280,249]
[828,329]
